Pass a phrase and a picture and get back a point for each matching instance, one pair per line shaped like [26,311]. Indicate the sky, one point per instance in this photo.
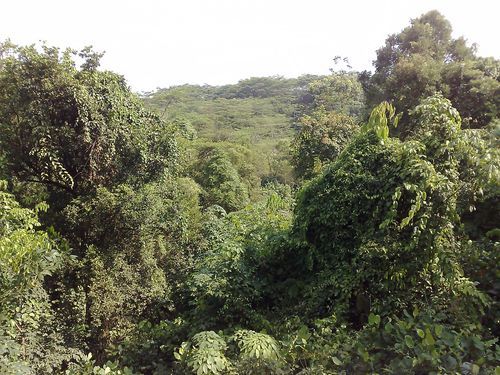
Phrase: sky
[157,43]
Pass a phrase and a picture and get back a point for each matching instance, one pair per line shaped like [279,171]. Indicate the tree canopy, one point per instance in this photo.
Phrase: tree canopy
[76,128]
[423,59]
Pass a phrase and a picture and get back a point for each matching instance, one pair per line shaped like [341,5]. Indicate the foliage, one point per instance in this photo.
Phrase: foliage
[339,92]
[149,347]
[29,337]
[85,365]
[255,345]
[255,111]
[330,109]
[424,343]
[205,354]
[236,157]
[259,353]
[321,138]
[473,86]
[224,285]
[280,168]
[220,180]
[75,129]
[389,203]
[418,343]
[173,246]
[135,248]
[423,59]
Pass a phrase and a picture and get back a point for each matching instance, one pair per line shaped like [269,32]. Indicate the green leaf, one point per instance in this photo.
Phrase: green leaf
[409,341]
[439,330]
[420,333]
[429,340]
[388,327]
[337,361]
[415,312]
[374,319]
[303,333]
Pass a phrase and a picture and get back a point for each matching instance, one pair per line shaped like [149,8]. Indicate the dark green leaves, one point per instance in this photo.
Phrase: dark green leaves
[76,129]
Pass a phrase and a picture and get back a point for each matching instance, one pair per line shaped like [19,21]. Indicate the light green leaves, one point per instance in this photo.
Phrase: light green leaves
[374,319]
[381,117]
[429,339]
[409,342]
[337,361]
[420,333]
[27,256]
[205,352]
[204,355]
[256,345]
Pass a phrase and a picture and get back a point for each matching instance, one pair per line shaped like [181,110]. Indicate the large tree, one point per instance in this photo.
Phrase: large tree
[222,184]
[108,168]
[392,210]
[321,138]
[74,129]
[423,59]
[340,91]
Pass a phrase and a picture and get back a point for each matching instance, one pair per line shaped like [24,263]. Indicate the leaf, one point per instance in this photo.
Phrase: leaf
[420,333]
[429,340]
[337,361]
[303,333]
[409,341]
[374,319]
[415,312]
[439,330]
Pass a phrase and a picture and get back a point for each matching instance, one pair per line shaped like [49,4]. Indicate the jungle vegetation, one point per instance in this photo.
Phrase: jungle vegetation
[337,224]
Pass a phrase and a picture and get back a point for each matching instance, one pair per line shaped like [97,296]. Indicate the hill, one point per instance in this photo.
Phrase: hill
[256,111]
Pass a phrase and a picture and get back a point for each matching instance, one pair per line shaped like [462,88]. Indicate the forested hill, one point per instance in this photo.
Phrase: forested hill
[257,111]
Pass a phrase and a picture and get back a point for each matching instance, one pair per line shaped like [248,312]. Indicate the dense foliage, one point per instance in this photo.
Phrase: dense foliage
[70,127]
[266,227]
[321,138]
[424,58]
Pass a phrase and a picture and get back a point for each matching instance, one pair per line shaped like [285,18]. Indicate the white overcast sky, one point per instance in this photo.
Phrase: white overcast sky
[163,43]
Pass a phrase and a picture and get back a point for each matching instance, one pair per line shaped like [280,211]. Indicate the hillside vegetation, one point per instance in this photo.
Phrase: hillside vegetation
[255,111]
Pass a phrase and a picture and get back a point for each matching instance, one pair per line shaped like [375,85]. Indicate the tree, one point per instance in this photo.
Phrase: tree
[75,129]
[134,245]
[423,59]
[108,167]
[321,138]
[226,285]
[220,180]
[340,92]
[30,334]
[473,87]
[389,210]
